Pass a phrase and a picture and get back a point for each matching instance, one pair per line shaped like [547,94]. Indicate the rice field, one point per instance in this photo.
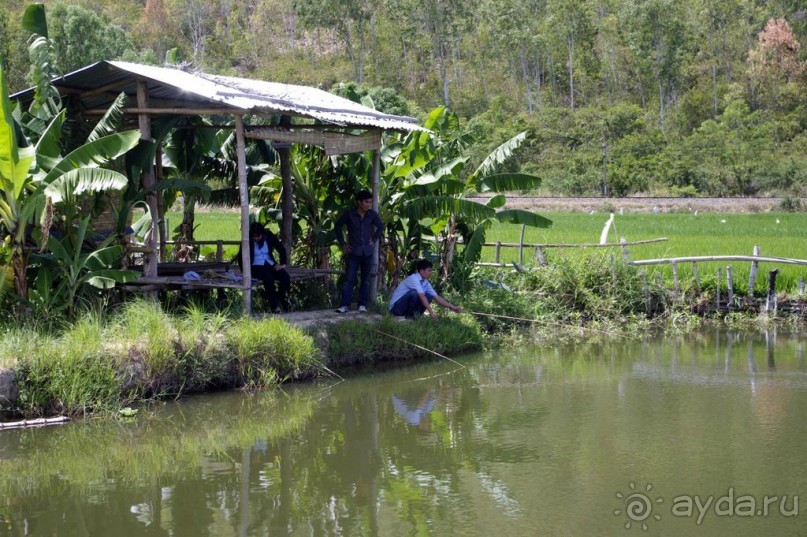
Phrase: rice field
[778,234]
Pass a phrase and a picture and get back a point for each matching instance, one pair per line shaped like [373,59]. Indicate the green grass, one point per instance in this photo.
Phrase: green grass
[688,235]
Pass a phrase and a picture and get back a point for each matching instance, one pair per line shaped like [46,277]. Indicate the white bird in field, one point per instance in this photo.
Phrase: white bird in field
[621,211]
[722,220]
[591,212]
[695,213]
[777,221]
[655,210]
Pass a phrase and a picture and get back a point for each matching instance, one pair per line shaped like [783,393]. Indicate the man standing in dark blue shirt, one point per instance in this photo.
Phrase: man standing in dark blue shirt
[364,229]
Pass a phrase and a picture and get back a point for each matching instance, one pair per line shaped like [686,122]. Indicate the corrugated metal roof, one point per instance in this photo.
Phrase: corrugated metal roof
[99,84]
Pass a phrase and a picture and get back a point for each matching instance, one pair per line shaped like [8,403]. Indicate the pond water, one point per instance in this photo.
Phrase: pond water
[703,434]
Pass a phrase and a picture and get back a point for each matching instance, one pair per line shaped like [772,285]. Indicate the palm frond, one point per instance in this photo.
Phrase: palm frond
[473,248]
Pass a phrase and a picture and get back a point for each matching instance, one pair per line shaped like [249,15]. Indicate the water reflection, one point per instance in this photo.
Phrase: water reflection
[531,442]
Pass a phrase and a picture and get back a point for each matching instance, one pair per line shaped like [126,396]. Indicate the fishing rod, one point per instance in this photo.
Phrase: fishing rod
[523,319]
[443,356]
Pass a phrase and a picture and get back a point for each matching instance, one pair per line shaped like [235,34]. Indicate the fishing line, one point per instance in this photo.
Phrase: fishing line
[419,347]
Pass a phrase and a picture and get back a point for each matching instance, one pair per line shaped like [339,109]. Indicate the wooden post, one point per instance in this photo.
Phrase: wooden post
[801,286]
[770,302]
[675,278]
[162,221]
[541,257]
[498,251]
[376,171]
[287,201]
[521,245]
[219,251]
[144,123]
[695,274]
[730,285]
[625,253]
[752,277]
[717,294]
[246,270]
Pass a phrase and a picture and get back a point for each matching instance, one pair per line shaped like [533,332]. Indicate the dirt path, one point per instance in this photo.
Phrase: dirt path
[646,205]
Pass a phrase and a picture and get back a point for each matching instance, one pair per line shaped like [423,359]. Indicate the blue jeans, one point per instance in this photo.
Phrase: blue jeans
[409,305]
[354,263]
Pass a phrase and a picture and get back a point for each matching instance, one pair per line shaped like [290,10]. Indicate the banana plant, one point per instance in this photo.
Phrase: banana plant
[35,180]
[425,177]
[75,265]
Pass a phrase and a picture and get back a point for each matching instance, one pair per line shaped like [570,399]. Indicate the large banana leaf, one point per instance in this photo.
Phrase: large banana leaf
[112,120]
[33,20]
[106,279]
[48,148]
[77,182]
[520,216]
[96,153]
[435,206]
[507,182]
[500,155]
[473,248]
[14,161]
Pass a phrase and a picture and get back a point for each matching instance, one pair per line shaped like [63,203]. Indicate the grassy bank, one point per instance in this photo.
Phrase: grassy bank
[101,364]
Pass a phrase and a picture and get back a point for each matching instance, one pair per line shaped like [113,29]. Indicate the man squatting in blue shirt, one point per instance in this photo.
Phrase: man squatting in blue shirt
[414,295]
[364,229]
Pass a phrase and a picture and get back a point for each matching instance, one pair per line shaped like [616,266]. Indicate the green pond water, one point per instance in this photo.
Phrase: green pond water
[697,435]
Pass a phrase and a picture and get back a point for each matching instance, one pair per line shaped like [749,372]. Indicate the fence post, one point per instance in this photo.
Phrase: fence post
[541,257]
[625,253]
[220,252]
[498,252]
[770,302]
[613,270]
[675,278]
[730,285]
[752,277]
[521,245]
[719,277]
[695,274]
[801,286]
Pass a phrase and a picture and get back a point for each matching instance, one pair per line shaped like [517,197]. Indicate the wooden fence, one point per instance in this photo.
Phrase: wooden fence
[540,254]
[755,259]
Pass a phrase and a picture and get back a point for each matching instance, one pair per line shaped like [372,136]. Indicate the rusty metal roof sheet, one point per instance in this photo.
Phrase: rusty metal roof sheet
[99,84]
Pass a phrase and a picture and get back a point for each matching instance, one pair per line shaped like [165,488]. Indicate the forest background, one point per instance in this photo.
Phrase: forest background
[618,97]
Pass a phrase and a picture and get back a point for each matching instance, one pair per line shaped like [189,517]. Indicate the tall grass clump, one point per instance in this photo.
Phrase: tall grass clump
[70,374]
[269,350]
[357,342]
[148,336]
[575,290]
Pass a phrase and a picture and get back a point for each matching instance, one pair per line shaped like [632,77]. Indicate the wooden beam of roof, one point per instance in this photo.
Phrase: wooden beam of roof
[334,143]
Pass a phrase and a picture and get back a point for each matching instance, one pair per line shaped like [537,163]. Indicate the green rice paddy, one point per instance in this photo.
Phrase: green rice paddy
[778,234]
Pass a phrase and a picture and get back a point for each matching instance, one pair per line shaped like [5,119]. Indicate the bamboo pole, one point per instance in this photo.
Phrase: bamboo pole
[374,263]
[717,294]
[675,278]
[246,262]
[783,260]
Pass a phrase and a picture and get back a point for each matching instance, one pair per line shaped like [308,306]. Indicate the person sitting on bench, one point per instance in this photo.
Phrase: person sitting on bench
[266,267]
